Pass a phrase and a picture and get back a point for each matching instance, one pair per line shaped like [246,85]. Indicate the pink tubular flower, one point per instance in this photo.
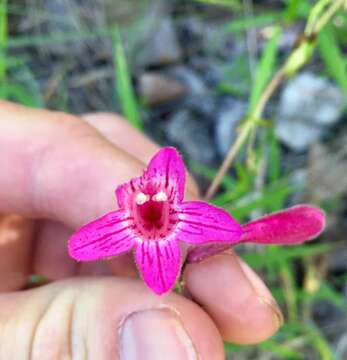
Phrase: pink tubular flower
[154,221]
[287,227]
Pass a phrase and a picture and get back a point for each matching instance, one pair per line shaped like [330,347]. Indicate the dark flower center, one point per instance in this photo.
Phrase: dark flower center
[151,212]
[154,215]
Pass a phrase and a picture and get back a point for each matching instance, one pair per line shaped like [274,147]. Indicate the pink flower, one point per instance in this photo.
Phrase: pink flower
[155,222]
[287,227]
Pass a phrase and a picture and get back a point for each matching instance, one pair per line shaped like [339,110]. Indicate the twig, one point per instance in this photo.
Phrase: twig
[246,129]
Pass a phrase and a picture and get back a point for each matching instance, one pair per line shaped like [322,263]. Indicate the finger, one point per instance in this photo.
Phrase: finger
[50,258]
[245,311]
[65,170]
[119,131]
[15,241]
[114,127]
[53,236]
[104,319]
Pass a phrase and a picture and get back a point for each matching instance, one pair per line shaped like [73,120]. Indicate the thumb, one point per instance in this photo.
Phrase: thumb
[104,318]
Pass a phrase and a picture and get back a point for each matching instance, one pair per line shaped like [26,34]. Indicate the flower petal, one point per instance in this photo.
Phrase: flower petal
[291,226]
[167,170]
[126,192]
[159,263]
[108,236]
[201,223]
[202,252]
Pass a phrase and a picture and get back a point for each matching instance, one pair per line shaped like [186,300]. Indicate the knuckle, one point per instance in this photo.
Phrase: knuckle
[52,331]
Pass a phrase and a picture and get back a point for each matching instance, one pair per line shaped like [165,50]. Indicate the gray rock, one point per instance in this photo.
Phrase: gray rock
[190,78]
[198,99]
[308,106]
[228,119]
[162,47]
[298,135]
[191,137]
[156,88]
[202,106]
[191,32]
[330,318]
[341,347]
[298,179]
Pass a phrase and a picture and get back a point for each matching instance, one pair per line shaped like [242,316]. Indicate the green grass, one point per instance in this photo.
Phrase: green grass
[333,58]
[124,88]
[265,68]
[232,4]
[3,45]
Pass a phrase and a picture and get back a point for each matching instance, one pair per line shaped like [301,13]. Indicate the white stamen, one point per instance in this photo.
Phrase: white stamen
[160,196]
[141,198]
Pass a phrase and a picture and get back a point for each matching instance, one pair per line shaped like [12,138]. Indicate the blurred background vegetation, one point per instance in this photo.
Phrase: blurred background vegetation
[266,79]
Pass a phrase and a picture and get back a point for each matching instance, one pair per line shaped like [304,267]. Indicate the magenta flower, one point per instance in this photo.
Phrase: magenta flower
[287,227]
[155,222]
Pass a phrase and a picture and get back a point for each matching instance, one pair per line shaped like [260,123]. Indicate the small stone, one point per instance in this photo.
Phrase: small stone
[228,119]
[192,137]
[162,47]
[156,88]
[296,135]
[308,106]
[190,78]
[201,106]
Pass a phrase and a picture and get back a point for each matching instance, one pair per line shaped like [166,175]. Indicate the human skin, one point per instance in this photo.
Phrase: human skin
[61,170]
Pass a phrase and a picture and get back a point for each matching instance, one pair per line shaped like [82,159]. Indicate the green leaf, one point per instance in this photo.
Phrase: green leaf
[286,253]
[292,10]
[124,87]
[227,182]
[275,157]
[265,68]
[23,96]
[233,4]
[284,351]
[320,343]
[57,37]
[327,292]
[274,193]
[3,40]
[332,56]
[245,23]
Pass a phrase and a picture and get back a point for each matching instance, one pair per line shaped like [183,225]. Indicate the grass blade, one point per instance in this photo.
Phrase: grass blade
[3,40]
[332,56]
[258,260]
[124,87]
[265,68]
[257,21]
[233,4]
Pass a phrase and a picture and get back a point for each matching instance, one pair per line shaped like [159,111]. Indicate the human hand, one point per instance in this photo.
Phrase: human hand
[62,170]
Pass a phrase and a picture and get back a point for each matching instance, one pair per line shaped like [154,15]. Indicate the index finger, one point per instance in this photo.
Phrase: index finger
[56,166]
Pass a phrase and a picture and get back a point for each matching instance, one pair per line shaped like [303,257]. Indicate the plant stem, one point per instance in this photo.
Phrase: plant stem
[246,129]
[328,15]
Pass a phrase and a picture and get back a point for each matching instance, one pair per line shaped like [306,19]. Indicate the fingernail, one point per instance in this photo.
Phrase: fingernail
[277,313]
[264,294]
[155,334]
